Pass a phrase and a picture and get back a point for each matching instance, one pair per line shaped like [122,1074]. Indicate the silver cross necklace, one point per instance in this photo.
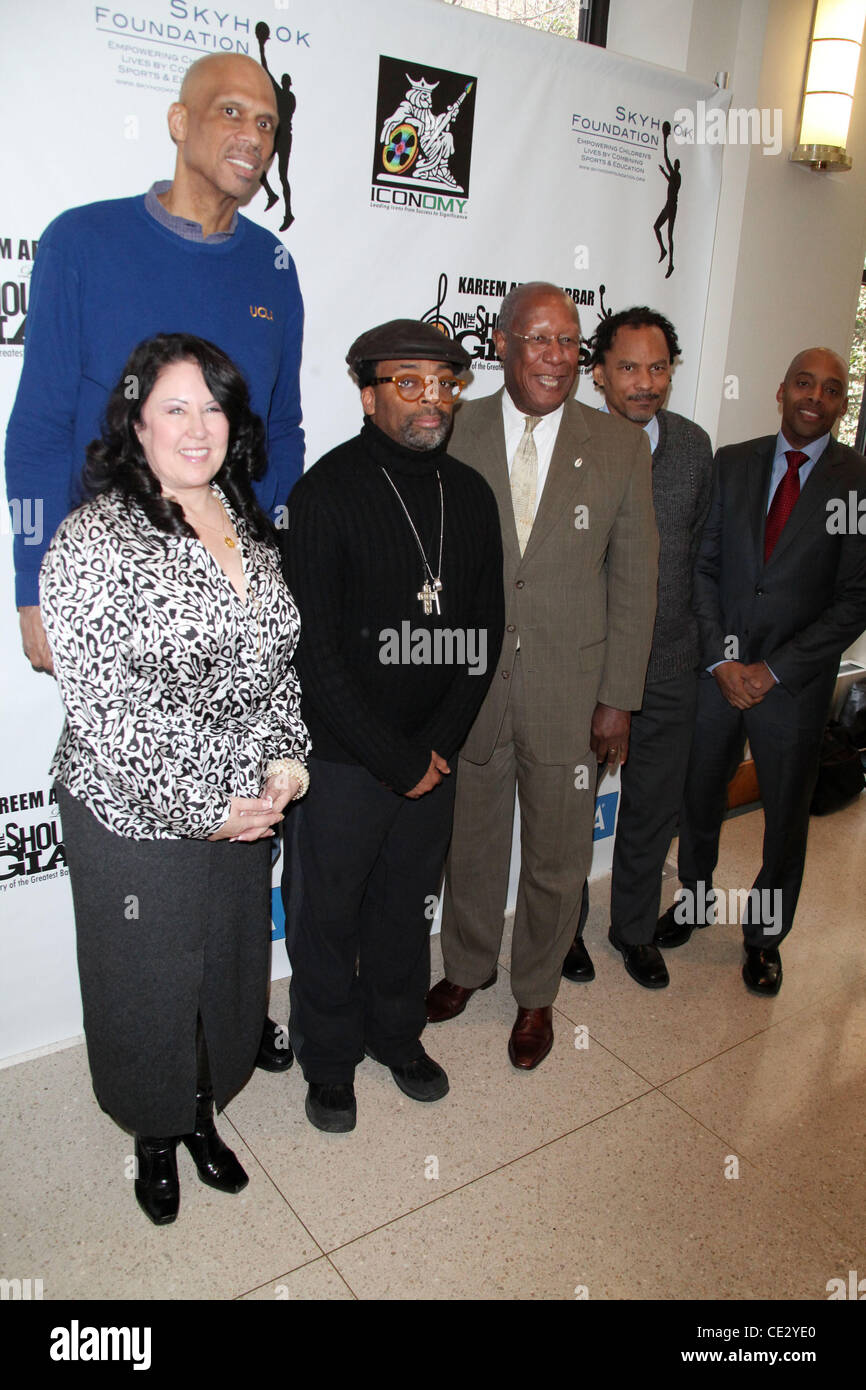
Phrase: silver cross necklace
[432,586]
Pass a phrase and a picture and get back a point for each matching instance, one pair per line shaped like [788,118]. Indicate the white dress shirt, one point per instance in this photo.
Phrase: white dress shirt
[544,434]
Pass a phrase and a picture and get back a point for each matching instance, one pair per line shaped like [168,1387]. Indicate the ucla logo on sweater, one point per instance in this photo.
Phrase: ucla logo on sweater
[258,311]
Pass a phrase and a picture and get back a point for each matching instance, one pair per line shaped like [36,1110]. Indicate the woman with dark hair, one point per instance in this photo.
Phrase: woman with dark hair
[172,633]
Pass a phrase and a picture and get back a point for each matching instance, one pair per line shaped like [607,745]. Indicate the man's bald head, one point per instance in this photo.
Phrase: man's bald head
[840,364]
[224,127]
[517,299]
[220,70]
[813,396]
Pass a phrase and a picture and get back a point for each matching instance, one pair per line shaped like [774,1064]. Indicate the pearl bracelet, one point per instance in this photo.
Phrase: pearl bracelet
[292,767]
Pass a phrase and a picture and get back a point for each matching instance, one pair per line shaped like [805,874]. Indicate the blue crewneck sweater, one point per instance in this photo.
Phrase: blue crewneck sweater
[107,276]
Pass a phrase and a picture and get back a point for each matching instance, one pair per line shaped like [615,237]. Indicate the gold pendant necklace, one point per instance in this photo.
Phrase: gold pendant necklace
[232,544]
[227,539]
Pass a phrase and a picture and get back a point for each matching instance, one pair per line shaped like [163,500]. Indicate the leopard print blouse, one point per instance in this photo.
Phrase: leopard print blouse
[177,694]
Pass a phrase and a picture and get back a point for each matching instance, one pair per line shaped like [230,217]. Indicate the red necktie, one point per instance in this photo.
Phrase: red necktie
[784,497]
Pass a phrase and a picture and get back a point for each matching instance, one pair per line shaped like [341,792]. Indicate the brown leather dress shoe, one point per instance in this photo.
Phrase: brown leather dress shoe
[531,1037]
[446,1001]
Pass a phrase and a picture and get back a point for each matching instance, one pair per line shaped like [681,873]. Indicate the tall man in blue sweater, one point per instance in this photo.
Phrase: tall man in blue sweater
[178,259]
[632,362]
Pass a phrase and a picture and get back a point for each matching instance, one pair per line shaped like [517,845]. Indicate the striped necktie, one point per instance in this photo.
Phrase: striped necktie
[524,481]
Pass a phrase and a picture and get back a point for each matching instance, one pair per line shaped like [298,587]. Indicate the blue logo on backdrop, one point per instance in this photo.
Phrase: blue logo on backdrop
[278,916]
[605,815]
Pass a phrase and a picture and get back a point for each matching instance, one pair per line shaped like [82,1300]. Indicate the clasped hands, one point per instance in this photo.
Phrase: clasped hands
[253,817]
[744,686]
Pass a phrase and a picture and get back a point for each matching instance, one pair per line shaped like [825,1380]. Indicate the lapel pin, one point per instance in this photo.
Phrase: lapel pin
[578,462]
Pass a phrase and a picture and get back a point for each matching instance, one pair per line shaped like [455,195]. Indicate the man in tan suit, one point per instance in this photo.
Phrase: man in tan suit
[574,489]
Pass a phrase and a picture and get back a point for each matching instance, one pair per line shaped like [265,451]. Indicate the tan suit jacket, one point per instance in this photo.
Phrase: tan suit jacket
[583,596]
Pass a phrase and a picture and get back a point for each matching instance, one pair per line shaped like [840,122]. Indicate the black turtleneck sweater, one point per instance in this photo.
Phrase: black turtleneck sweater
[354,568]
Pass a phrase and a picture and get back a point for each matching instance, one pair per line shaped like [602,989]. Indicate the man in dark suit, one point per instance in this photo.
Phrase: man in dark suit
[580,558]
[780,592]
[632,364]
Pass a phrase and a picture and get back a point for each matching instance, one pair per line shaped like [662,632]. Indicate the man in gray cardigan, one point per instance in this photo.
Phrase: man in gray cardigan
[632,362]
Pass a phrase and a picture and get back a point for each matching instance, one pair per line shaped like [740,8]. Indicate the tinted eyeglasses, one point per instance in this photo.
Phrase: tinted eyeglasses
[411,386]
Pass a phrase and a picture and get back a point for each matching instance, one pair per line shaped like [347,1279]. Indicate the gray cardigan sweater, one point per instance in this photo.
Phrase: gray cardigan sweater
[682,477]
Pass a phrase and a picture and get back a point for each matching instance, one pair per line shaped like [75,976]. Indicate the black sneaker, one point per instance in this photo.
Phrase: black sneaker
[331,1106]
[420,1079]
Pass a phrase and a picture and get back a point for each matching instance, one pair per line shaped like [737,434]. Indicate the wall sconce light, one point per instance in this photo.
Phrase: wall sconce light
[828,95]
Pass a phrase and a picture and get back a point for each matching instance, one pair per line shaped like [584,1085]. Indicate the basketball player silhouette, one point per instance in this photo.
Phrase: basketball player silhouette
[669,211]
[286,103]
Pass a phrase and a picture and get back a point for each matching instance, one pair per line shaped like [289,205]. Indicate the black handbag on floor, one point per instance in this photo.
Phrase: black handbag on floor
[840,771]
[853,716]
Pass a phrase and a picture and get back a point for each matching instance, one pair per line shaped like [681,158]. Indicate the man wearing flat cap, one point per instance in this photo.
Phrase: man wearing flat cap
[394,557]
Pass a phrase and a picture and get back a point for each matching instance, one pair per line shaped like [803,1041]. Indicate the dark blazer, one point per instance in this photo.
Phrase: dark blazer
[582,597]
[801,610]
[682,485]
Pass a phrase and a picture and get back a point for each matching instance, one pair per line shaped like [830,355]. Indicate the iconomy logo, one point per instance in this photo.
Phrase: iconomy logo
[423,141]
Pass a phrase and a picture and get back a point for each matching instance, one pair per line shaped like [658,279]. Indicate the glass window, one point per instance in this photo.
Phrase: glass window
[572,19]
[852,426]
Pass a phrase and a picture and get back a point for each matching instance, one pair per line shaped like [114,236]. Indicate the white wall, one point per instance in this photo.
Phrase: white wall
[802,241]
[656,31]
[790,244]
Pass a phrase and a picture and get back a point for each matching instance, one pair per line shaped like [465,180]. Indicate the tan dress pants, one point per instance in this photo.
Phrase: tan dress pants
[556,818]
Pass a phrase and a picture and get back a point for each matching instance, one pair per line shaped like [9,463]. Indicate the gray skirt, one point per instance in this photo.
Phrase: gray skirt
[167,930]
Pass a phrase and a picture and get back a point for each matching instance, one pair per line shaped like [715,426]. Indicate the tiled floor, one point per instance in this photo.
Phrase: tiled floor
[704,1143]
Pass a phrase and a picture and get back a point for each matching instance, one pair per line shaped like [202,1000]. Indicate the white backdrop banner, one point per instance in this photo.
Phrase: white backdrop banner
[429,160]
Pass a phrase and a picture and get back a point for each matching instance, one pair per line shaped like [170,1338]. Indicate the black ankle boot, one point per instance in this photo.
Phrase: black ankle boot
[216,1164]
[157,1189]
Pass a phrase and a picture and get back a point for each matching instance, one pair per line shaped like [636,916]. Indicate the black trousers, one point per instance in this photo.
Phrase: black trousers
[167,931]
[362,874]
[785,742]
[652,788]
